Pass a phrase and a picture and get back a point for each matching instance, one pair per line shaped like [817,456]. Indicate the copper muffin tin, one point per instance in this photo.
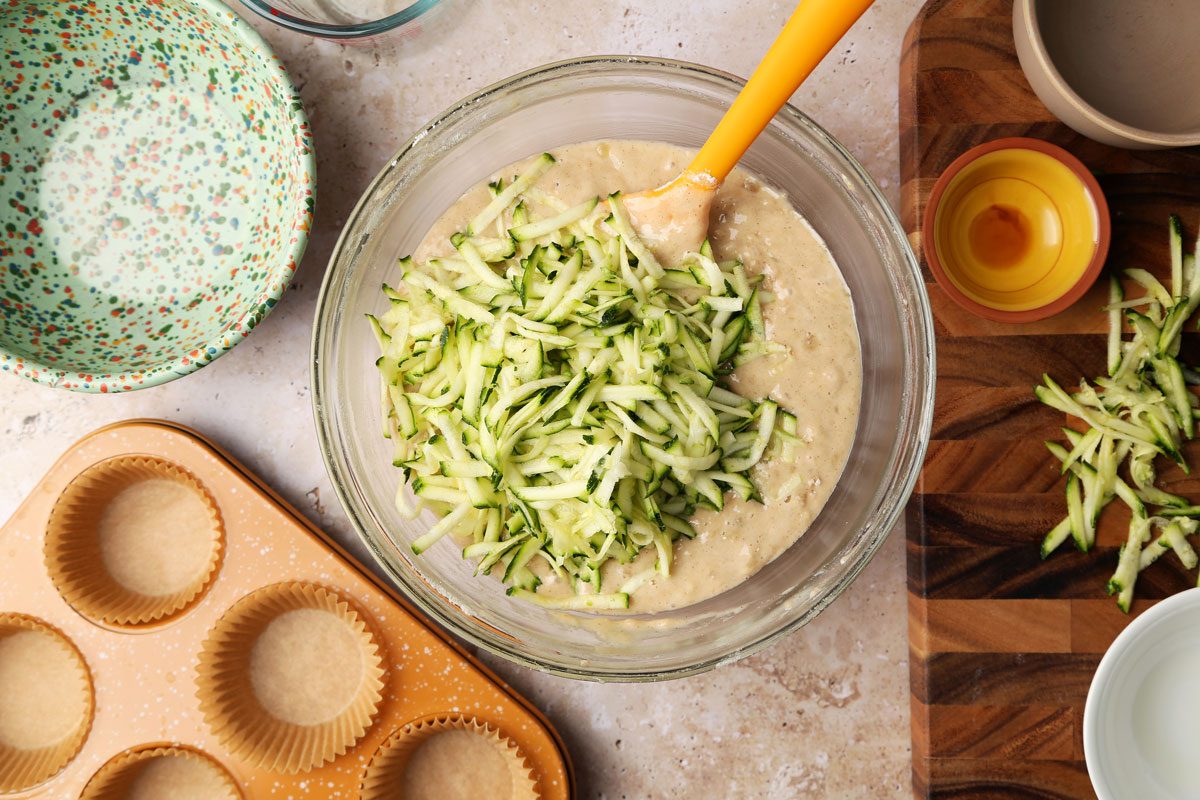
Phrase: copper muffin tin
[157,682]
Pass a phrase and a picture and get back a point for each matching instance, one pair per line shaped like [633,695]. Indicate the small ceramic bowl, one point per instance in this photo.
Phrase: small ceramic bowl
[156,189]
[1122,72]
[1016,230]
[1139,723]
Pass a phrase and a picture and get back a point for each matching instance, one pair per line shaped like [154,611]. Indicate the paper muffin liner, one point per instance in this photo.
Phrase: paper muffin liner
[116,779]
[227,696]
[22,768]
[73,550]
[387,767]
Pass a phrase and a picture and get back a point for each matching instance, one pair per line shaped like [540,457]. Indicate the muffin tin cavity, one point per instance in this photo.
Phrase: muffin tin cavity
[46,701]
[133,541]
[157,772]
[448,757]
[290,677]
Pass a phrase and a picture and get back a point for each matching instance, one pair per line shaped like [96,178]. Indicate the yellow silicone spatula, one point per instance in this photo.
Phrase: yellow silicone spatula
[674,217]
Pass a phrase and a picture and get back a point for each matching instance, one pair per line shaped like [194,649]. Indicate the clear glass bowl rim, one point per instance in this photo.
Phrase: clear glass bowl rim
[917,406]
[361,30]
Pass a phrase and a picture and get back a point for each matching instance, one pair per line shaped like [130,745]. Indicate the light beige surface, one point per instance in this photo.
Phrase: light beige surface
[42,693]
[307,666]
[824,713]
[819,380]
[457,765]
[180,779]
[156,537]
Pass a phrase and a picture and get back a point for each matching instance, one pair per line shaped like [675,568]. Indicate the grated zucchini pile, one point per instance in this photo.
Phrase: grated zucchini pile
[1141,410]
[553,392]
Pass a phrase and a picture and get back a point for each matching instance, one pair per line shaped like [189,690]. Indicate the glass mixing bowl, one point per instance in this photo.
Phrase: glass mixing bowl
[639,98]
[348,21]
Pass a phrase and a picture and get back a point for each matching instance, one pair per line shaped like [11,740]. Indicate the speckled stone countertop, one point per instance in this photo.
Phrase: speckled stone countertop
[824,713]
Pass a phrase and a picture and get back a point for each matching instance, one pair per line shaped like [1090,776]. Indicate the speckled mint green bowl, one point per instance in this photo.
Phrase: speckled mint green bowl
[156,188]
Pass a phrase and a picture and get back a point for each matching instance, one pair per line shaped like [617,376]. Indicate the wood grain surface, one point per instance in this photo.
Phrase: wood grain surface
[1003,645]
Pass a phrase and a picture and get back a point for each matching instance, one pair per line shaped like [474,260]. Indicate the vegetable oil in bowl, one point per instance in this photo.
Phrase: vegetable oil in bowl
[1018,227]
[1016,230]
[1000,235]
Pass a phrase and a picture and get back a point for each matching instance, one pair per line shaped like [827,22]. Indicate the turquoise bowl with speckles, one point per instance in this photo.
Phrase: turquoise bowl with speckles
[156,188]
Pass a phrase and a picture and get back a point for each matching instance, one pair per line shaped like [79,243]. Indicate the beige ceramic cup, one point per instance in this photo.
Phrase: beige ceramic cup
[1122,72]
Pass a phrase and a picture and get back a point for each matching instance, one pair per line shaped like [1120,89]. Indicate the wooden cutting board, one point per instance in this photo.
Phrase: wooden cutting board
[1003,645]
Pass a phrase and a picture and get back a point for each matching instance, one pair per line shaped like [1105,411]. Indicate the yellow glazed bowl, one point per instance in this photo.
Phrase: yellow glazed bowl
[1016,230]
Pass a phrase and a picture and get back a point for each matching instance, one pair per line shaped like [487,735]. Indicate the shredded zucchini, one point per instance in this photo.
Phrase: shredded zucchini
[1141,410]
[556,396]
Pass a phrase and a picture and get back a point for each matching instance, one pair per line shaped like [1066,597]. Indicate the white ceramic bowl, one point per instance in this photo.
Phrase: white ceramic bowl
[1143,708]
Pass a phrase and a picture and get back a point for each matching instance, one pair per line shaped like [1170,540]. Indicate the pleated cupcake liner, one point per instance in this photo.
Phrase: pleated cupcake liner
[24,768]
[117,779]
[73,547]
[234,713]
[388,766]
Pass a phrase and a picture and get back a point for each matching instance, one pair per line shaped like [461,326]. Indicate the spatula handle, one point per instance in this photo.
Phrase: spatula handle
[814,28]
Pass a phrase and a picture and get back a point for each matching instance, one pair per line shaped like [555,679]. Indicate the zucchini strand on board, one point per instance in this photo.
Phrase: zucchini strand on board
[1141,410]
